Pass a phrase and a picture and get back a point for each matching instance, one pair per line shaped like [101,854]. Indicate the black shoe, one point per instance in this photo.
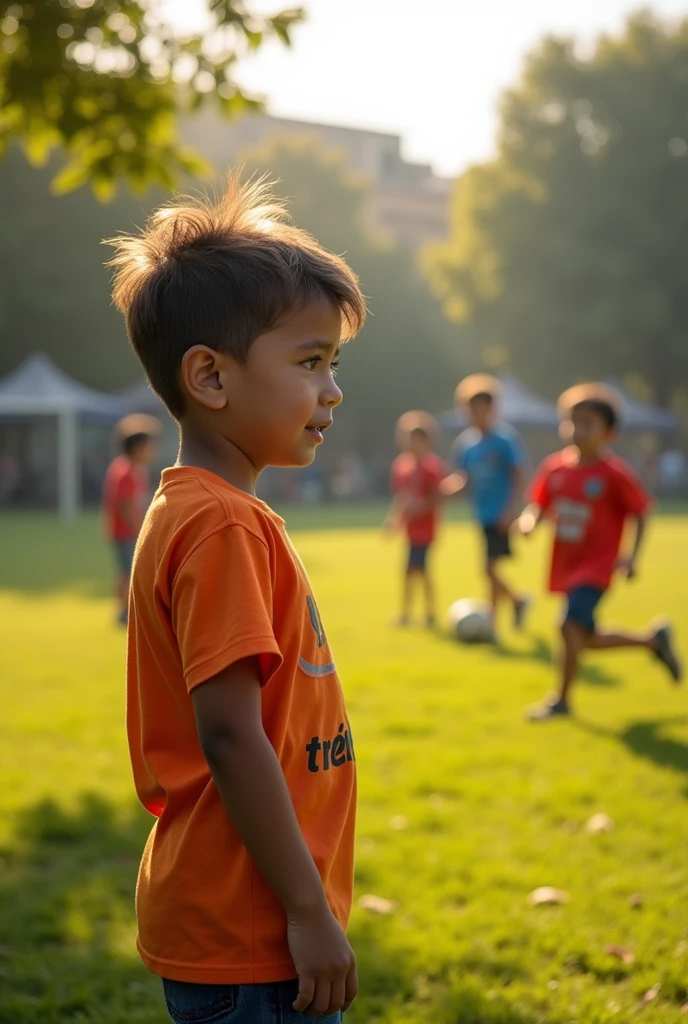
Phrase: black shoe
[521,609]
[666,652]
[548,709]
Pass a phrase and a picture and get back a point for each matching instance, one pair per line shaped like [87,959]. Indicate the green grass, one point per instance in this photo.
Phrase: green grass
[491,807]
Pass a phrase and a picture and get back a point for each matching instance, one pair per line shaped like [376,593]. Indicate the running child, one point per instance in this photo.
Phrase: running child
[489,461]
[415,480]
[588,494]
[238,733]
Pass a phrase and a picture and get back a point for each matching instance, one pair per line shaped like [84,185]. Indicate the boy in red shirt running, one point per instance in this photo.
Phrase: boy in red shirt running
[588,493]
[415,481]
[126,494]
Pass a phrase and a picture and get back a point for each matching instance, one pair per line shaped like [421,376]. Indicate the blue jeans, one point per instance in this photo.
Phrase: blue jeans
[236,1004]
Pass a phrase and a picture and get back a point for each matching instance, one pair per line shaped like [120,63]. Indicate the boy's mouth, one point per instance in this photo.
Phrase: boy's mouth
[316,430]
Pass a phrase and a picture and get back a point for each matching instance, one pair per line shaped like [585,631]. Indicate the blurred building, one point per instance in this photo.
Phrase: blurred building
[406,201]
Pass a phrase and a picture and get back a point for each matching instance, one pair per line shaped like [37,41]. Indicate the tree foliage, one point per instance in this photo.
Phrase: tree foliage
[103,80]
[568,250]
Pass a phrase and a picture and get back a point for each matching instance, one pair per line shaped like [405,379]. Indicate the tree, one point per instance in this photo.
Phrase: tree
[103,80]
[568,250]
[406,356]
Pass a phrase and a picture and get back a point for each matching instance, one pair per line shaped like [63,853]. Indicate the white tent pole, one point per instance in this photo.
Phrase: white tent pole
[67,464]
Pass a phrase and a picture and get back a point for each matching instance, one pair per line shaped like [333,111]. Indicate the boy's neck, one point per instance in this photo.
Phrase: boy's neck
[217,455]
[585,458]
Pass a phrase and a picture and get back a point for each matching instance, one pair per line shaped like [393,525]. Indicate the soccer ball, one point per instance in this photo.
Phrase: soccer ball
[471,621]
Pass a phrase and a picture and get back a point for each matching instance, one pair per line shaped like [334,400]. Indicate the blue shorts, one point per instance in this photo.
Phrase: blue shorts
[124,555]
[417,557]
[580,606]
[236,1004]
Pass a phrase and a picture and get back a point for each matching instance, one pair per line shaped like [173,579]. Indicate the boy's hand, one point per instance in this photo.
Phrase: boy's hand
[627,567]
[526,523]
[391,524]
[325,964]
[452,484]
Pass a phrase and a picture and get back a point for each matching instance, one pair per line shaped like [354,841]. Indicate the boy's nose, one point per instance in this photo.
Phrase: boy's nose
[332,396]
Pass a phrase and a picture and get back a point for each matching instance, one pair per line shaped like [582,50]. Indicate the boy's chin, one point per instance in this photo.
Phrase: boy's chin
[296,459]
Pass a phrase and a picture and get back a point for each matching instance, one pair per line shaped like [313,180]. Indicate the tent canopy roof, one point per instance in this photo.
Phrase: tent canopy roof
[637,415]
[518,405]
[38,387]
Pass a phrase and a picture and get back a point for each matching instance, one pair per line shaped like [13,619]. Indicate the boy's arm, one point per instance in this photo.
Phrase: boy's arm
[453,484]
[250,781]
[518,480]
[394,517]
[539,500]
[628,564]
[530,519]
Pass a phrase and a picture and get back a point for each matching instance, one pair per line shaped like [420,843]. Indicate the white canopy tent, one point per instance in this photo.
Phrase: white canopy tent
[641,416]
[39,388]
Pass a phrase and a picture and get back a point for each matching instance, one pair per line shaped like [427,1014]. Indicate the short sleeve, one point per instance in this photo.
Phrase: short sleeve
[539,490]
[222,606]
[632,495]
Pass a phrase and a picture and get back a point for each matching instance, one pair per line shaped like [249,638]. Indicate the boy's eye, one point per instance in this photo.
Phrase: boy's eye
[311,364]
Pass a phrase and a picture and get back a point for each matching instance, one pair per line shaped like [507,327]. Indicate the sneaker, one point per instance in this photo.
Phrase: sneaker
[548,709]
[521,608]
[666,652]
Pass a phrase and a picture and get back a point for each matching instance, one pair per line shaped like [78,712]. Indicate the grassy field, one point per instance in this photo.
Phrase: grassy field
[465,807]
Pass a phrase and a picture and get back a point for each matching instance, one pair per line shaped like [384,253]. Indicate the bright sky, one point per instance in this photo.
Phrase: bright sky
[429,70]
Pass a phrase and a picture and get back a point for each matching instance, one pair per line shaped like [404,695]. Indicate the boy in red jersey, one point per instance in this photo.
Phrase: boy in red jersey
[415,482]
[126,495]
[588,493]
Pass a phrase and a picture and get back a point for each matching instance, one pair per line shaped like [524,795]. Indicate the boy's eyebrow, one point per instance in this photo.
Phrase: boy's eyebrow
[321,346]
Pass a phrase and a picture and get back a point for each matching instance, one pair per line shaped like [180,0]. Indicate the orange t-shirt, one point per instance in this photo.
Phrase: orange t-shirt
[216,579]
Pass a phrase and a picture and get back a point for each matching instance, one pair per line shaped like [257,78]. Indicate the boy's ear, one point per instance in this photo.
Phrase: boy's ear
[201,376]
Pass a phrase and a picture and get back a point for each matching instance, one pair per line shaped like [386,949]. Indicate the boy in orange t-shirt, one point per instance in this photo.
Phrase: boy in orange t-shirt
[238,733]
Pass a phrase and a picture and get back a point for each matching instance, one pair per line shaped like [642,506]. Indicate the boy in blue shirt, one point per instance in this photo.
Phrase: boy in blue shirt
[488,459]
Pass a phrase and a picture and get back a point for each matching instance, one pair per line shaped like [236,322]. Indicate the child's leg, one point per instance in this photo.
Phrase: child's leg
[659,640]
[406,598]
[498,548]
[577,630]
[575,640]
[429,588]
[602,640]
[414,566]
[499,588]
[124,552]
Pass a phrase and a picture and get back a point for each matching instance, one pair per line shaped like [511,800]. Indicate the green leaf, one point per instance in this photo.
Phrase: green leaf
[72,176]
